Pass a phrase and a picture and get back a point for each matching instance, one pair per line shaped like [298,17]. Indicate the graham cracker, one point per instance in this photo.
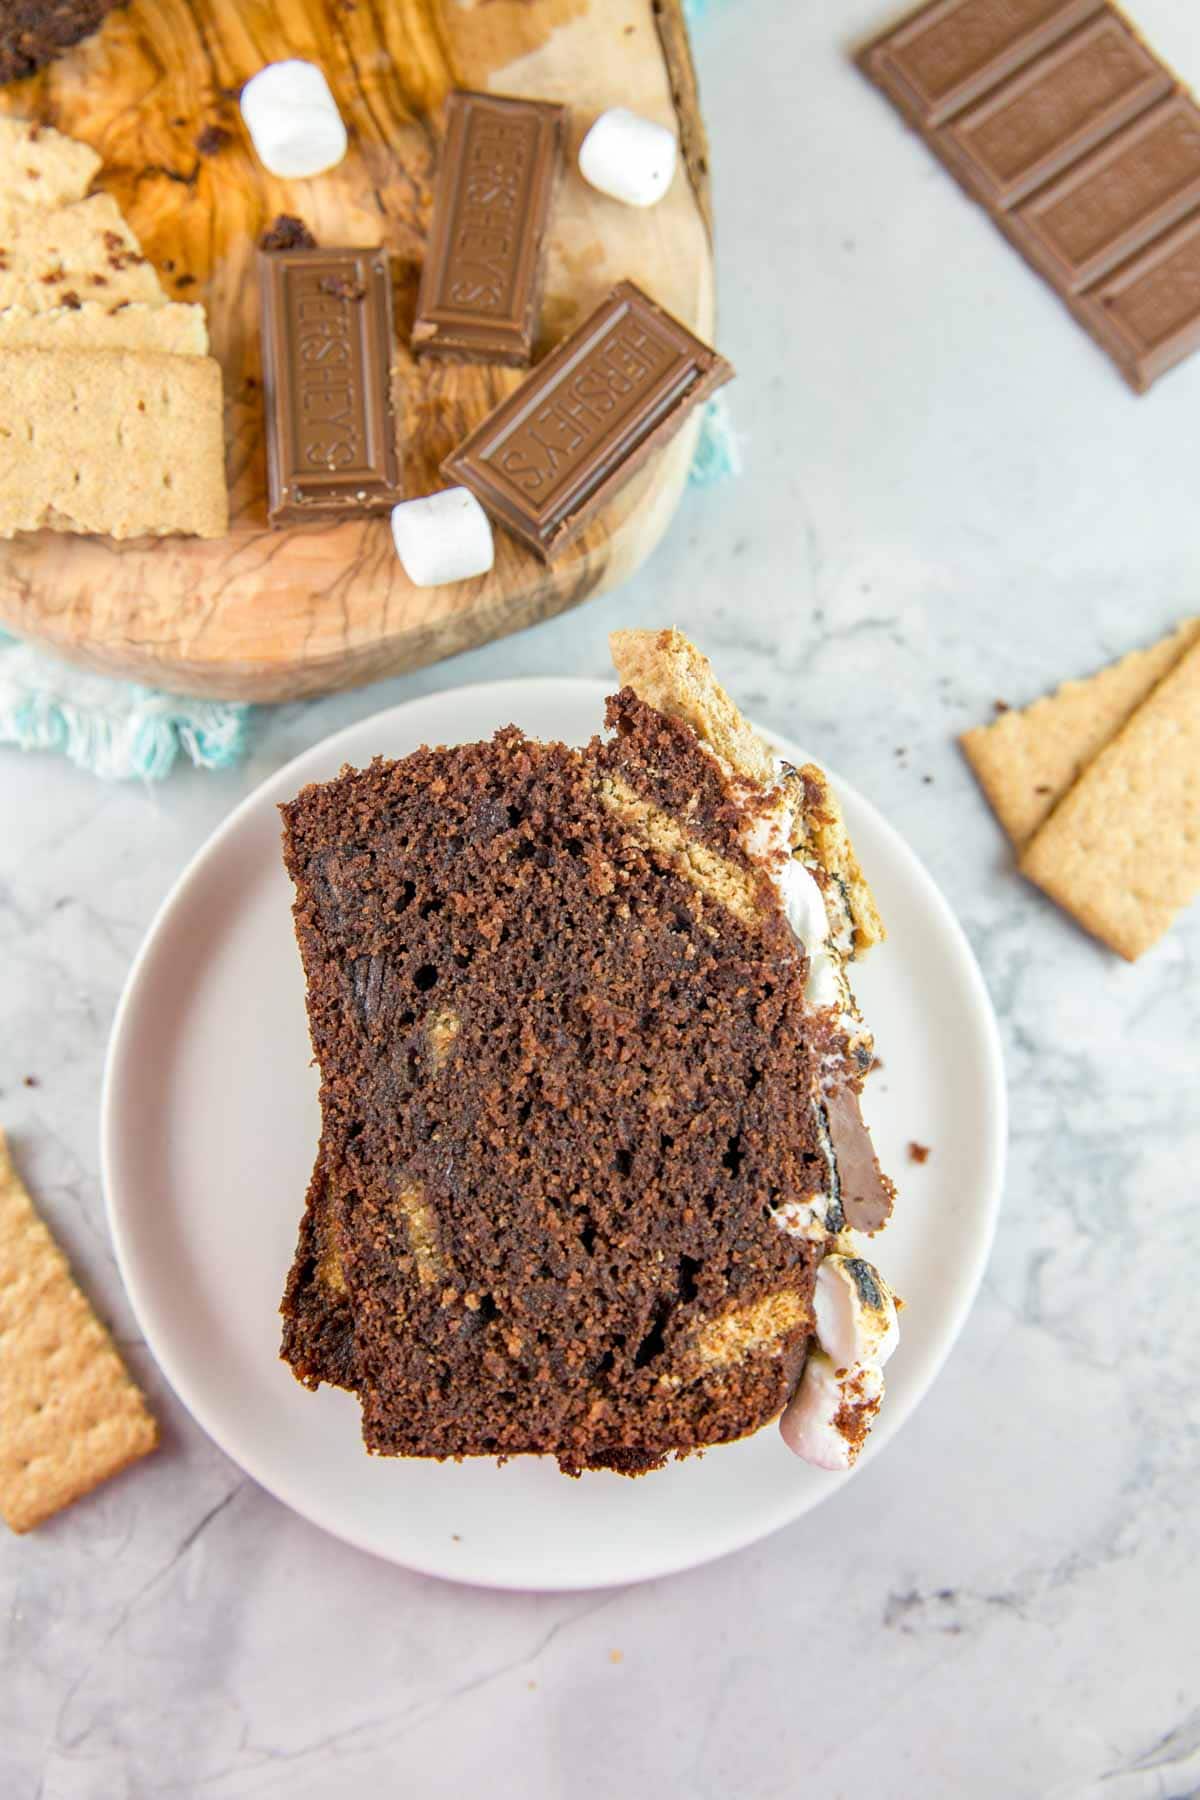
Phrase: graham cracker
[75,253]
[174,329]
[120,442]
[1121,851]
[40,167]
[1026,761]
[69,1414]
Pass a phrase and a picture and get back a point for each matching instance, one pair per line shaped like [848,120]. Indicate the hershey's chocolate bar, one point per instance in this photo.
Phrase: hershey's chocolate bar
[1082,147]
[482,278]
[327,351]
[588,416]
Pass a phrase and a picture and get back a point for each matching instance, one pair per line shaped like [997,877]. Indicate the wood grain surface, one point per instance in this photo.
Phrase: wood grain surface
[270,615]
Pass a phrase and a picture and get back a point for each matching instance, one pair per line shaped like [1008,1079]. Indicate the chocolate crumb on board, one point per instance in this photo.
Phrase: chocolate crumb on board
[1001,706]
[213,139]
[35,33]
[287,233]
[185,281]
[918,1153]
[32,1081]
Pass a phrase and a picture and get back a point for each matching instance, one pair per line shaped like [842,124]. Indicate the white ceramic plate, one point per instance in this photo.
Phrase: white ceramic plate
[209,1125]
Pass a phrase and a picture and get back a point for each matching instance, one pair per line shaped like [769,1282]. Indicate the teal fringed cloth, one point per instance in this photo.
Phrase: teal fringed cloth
[117,729]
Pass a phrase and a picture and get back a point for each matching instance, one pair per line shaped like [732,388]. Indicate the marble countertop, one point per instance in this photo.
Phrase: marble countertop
[948,498]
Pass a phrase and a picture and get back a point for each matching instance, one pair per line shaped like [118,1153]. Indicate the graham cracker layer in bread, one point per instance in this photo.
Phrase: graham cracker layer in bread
[39,167]
[1026,761]
[77,253]
[1121,851]
[671,675]
[69,1414]
[174,329]
[126,443]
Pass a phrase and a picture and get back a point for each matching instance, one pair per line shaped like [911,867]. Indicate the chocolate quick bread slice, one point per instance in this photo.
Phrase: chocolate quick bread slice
[590,1124]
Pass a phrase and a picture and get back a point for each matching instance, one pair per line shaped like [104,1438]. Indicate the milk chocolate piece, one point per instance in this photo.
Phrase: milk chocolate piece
[1081,146]
[866,1193]
[586,419]
[1147,314]
[482,279]
[327,350]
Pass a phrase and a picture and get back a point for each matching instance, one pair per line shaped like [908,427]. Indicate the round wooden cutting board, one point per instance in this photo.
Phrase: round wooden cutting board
[270,615]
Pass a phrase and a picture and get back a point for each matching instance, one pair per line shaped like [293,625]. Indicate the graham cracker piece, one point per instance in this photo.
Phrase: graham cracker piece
[69,1414]
[40,167]
[671,675]
[822,835]
[1026,761]
[119,442]
[174,329]
[1121,851]
[77,253]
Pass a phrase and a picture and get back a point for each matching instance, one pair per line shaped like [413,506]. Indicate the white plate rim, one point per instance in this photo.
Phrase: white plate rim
[591,692]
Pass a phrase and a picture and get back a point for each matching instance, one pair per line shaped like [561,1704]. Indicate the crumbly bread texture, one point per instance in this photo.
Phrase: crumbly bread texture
[39,166]
[570,1077]
[1121,851]
[69,1414]
[72,254]
[125,443]
[668,672]
[173,329]
[35,32]
[1025,761]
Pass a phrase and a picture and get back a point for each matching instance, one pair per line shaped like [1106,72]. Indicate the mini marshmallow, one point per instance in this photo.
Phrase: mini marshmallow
[293,120]
[856,1320]
[445,537]
[628,157]
[828,1417]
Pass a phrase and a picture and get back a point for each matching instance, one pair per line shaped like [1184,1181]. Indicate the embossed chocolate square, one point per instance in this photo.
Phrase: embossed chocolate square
[481,283]
[586,419]
[327,352]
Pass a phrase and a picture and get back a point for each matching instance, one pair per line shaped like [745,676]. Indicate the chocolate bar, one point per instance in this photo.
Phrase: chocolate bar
[1082,147]
[327,349]
[586,419]
[482,278]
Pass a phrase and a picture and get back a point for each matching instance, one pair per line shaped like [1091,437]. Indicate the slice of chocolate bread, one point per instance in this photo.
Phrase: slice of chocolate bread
[581,1084]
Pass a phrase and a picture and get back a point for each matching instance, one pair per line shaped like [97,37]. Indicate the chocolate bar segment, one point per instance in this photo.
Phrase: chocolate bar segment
[586,419]
[953,51]
[1081,146]
[482,279]
[1055,111]
[1147,314]
[1117,200]
[327,350]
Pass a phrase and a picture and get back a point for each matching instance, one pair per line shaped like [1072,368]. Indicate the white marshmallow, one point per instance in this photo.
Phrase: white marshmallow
[445,537]
[856,1320]
[628,157]
[293,120]
[827,1419]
